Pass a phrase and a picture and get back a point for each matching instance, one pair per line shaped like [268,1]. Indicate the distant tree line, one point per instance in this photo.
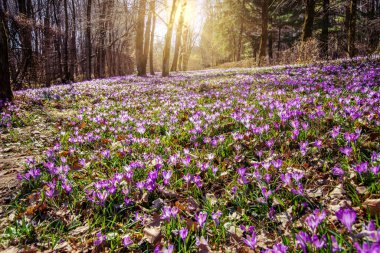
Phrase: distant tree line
[59,41]
[267,29]
[45,42]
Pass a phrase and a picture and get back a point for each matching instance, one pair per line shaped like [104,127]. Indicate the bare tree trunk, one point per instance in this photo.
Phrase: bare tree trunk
[47,46]
[66,46]
[185,39]
[188,47]
[105,16]
[374,32]
[279,42]
[270,45]
[240,46]
[264,30]
[57,40]
[147,37]
[25,11]
[270,40]
[178,37]
[100,54]
[352,29]
[5,83]
[325,30]
[151,60]
[73,49]
[168,39]
[88,40]
[140,38]
[307,30]
[110,27]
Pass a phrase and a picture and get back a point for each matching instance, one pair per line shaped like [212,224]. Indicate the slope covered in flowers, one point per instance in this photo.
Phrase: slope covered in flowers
[272,160]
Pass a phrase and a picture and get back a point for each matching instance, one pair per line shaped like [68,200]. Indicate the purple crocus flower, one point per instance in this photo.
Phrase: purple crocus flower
[34,173]
[303,147]
[140,185]
[127,201]
[277,163]
[201,218]
[167,175]
[370,226]
[214,169]
[198,181]
[215,216]
[266,193]
[375,169]
[337,171]
[241,171]
[50,190]
[286,178]
[318,242]
[186,161]
[127,241]
[303,239]
[183,233]
[346,150]
[187,177]
[367,247]
[269,143]
[315,219]
[334,245]
[347,216]
[298,175]
[100,238]
[250,240]
[66,186]
[166,213]
[361,168]
[278,248]
[106,153]
[169,249]
[102,196]
[174,211]
[318,144]
[335,131]
[141,129]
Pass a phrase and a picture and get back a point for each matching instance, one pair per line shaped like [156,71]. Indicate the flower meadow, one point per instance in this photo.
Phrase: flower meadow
[272,160]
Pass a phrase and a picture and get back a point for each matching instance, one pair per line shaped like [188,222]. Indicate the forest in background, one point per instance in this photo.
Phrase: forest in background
[289,31]
[45,42]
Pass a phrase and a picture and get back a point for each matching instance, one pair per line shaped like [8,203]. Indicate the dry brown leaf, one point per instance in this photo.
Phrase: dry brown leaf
[79,230]
[372,205]
[152,234]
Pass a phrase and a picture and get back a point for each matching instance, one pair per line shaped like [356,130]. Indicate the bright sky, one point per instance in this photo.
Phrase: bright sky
[194,17]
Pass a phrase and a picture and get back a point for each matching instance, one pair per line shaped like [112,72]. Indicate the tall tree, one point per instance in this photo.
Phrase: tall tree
[241,30]
[88,40]
[73,49]
[325,29]
[151,52]
[140,27]
[147,36]
[189,39]
[47,46]
[352,28]
[66,45]
[25,11]
[264,29]
[307,30]
[168,39]
[178,36]
[5,83]
[58,37]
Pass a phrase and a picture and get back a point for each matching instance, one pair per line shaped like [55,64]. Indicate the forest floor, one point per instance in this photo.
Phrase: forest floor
[281,159]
